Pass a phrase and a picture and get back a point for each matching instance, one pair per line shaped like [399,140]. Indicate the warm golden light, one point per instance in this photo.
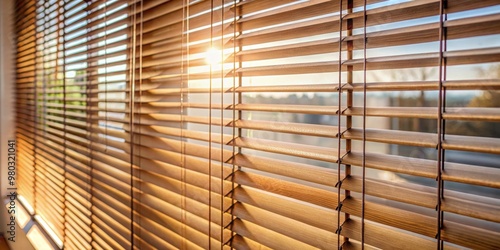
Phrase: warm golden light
[26,204]
[213,56]
[22,216]
[37,239]
[49,231]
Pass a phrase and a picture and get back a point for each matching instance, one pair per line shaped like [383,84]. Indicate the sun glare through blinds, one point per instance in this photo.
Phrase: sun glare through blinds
[190,124]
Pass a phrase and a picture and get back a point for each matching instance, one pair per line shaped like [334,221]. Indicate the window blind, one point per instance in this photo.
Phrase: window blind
[261,124]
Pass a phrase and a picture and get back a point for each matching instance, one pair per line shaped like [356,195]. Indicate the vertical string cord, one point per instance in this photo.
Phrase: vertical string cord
[40,120]
[210,130]
[184,56]
[233,166]
[35,115]
[105,77]
[222,143]
[240,84]
[46,73]
[140,109]
[64,114]
[364,131]
[131,121]
[440,162]
[90,145]
[339,120]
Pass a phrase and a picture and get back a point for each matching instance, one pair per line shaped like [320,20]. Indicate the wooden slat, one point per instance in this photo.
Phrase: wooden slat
[395,217]
[300,231]
[312,195]
[266,237]
[384,237]
[469,236]
[311,152]
[325,219]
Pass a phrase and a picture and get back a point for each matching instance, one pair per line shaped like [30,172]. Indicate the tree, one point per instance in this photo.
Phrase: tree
[487,99]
